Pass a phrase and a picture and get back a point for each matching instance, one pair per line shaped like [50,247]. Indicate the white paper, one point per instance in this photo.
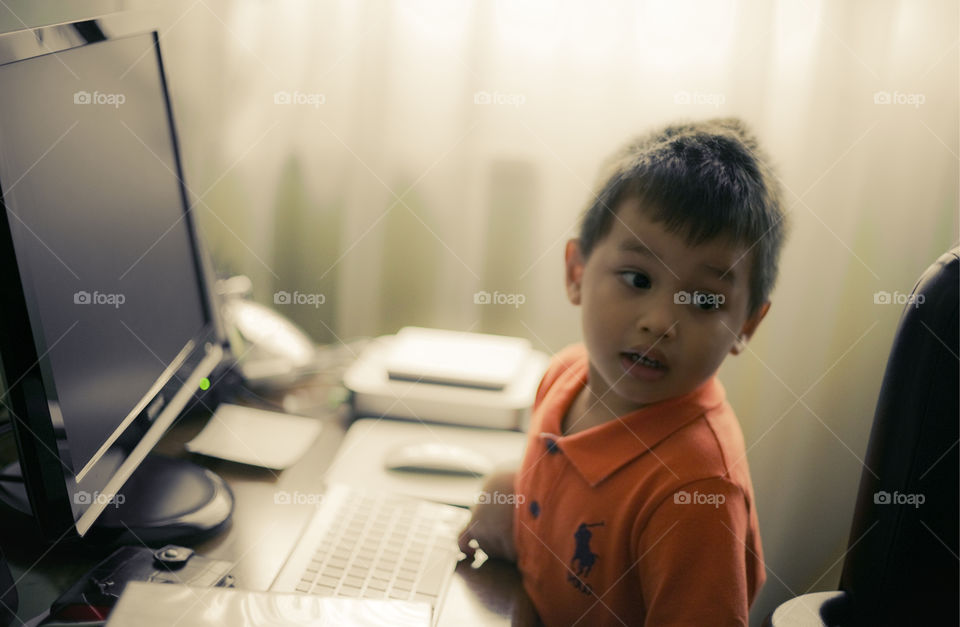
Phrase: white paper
[255,436]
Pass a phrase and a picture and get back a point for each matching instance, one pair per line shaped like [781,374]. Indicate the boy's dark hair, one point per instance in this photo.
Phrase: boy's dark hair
[703,180]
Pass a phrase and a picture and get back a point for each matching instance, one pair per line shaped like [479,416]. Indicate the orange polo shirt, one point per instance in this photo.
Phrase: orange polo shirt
[645,520]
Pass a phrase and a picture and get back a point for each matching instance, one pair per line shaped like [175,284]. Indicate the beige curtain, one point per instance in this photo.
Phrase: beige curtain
[402,157]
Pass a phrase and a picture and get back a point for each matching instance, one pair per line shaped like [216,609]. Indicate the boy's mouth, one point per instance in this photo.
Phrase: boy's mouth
[645,364]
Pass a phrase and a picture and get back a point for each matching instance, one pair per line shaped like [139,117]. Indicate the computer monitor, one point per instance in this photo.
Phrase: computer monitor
[107,328]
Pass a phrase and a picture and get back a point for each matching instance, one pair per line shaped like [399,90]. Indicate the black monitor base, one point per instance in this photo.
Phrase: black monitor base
[166,501]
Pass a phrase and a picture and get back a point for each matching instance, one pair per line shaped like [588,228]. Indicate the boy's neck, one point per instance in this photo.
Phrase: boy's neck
[589,410]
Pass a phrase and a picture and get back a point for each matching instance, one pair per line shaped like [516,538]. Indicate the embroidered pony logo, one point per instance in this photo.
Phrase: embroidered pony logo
[583,558]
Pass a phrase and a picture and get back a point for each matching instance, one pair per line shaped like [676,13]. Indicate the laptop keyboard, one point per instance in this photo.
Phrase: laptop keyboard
[380,546]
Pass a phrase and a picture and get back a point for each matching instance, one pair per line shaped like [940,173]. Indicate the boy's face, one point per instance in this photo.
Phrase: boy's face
[648,295]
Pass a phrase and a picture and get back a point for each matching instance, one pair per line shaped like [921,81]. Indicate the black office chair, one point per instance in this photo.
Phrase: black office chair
[8,593]
[901,567]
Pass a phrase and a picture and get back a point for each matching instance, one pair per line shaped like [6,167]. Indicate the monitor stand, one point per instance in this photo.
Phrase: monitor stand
[166,501]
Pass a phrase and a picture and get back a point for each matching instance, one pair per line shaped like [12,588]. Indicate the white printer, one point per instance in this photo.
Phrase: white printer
[450,377]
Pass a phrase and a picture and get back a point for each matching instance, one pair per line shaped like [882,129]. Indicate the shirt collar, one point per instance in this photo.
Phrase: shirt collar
[600,451]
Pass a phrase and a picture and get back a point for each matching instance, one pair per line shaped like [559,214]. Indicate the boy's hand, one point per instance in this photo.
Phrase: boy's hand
[492,522]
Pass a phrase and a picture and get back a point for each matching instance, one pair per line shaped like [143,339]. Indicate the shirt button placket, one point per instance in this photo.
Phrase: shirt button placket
[535,509]
[552,449]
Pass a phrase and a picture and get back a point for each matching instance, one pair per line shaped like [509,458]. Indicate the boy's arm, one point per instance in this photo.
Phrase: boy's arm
[492,522]
[693,557]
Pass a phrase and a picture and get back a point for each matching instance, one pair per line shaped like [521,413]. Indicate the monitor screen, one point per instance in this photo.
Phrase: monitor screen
[111,278]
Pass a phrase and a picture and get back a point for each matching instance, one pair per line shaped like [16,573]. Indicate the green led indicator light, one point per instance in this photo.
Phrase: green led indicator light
[204,383]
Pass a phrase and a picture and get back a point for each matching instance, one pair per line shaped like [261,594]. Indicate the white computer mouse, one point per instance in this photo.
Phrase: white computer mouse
[438,458]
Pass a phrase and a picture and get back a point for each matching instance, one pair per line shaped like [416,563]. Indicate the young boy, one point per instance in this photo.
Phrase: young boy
[634,500]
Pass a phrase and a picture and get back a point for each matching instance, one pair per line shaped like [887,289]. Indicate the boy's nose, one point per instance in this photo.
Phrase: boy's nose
[659,321]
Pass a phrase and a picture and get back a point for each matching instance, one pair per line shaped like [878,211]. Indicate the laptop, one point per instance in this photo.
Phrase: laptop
[149,604]
[375,545]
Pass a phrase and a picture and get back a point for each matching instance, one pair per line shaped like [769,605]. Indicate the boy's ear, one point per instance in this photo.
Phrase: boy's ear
[574,273]
[748,328]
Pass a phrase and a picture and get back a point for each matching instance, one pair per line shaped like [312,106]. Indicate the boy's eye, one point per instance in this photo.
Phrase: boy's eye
[635,279]
[708,301]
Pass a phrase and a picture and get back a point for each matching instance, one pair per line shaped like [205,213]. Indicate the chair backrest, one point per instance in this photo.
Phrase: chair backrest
[8,593]
[902,567]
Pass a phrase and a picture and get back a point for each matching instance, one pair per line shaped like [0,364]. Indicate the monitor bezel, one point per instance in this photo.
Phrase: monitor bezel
[50,480]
